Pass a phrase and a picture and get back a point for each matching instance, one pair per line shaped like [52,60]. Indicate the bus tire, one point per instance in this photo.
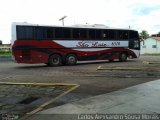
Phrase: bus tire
[71,59]
[123,57]
[55,60]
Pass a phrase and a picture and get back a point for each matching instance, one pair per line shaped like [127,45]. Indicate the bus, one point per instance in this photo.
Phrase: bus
[60,45]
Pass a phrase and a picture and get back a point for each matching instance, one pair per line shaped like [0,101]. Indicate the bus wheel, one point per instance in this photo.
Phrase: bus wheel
[122,57]
[71,59]
[55,60]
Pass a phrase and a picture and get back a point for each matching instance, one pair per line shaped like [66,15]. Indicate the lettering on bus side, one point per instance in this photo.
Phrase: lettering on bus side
[115,44]
[98,44]
[91,44]
[82,44]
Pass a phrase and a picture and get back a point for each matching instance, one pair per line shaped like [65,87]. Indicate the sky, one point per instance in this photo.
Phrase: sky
[138,14]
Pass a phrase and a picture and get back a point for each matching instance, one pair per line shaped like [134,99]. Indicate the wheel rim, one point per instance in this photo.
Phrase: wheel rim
[55,61]
[72,59]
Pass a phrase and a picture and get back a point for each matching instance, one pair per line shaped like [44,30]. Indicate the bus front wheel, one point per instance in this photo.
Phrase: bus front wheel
[71,59]
[55,60]
[122,57]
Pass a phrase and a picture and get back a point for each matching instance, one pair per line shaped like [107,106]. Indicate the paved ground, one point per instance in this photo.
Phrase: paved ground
[92,81]
[140,102]
[22,98]
[5,59]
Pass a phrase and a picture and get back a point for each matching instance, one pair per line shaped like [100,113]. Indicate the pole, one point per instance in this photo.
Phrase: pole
[63,22]
[62,19]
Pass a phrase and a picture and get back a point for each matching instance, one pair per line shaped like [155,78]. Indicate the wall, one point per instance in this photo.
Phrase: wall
[147,46]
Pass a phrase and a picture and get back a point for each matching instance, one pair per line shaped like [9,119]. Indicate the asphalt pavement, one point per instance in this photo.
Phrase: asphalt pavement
[137,102]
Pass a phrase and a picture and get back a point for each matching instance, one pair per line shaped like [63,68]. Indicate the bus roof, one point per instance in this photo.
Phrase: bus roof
[95,26]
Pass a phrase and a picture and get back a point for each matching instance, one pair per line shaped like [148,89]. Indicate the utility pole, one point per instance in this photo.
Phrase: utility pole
[129,27]
[62,19]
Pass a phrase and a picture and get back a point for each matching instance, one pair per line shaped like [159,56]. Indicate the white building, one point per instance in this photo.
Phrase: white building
[5,47]
[150,46]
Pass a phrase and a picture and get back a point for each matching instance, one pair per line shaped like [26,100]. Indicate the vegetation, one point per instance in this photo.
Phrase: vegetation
[0,42]
[144,35]
[5,53]
[5,56]
[156,35]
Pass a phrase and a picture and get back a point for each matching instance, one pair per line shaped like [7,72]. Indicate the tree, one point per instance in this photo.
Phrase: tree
[156,35]
[144,35]
[0,42]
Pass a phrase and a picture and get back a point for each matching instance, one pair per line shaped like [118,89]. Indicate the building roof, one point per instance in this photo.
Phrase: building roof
[156,38]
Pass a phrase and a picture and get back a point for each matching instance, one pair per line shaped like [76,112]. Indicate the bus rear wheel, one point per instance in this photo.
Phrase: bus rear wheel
[71,59]
[55,60]
[123,57]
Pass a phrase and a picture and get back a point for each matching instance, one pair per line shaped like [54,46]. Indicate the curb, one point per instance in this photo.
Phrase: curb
[128,68]
[146,62]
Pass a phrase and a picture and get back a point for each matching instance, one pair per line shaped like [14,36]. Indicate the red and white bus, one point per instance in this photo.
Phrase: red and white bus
[58,45]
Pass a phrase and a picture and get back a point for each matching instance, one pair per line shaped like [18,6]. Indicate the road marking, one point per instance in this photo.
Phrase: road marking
[49,102]
[151,62]
[129,68]
[70,87]
[99,67]
[36,84]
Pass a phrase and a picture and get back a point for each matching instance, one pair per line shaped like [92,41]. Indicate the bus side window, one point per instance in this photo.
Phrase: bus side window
[29,33]
[98,34]
[25,32]
[125,35]
[75,33]
[20,32]
[58,33]
[122,34]
[133,35]
[50,33]
[91,34]
[82,34]
[67,33]
[105,34]
[40,33]
[111,34]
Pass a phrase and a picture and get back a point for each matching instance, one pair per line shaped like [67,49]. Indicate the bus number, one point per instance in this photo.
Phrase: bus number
[115,44]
